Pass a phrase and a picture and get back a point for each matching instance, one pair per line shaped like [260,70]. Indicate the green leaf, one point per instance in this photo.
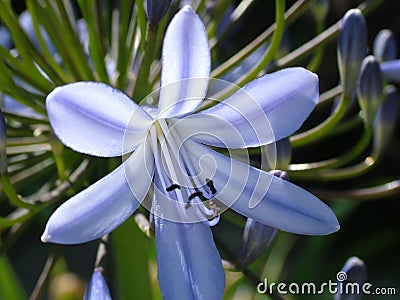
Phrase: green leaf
[131,252]
[10,287]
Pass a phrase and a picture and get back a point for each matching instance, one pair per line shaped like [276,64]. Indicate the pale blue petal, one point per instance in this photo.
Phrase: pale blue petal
[264,197]
[189,265]
[104,205]
[93,118]
[265,110]
[97,288]
[391,70]
[186,65]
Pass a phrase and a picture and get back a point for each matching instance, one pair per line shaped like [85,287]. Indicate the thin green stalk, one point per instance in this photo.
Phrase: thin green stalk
[218,13]
[344,173]
[316,60]
[71,37]
[26,50]
[295,11]
[328,35]
[361,194]
[239,13]
[89,10]
[347,125]
[320,131]
[268,56]
[19,69]
[45,275]
[125,31]
[142,87]
[57,149]
[17,216]
[9,87]
[311,169]
[50,58]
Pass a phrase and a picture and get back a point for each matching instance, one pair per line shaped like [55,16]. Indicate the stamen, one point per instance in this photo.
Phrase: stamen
[211,186]
[173,187]
[196,194]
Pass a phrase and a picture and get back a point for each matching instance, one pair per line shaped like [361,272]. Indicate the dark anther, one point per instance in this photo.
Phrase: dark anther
[195,194]
[211,186]
[172,187]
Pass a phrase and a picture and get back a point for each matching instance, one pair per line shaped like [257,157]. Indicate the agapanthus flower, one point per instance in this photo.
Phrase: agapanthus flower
[169,150]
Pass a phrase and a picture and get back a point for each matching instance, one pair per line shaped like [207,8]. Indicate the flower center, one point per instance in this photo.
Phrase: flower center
[177,176]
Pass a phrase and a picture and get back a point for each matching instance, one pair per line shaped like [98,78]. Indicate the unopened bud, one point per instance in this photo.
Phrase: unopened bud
[257,237]
[156,9]
[351,279]
[97,287]
[391,70]
[385,120]
[370,88]
[352,47]
[385,46]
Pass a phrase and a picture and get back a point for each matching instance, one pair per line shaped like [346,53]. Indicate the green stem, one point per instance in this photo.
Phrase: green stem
[363,194]
[142,87]
[290,16]
[45,275]
[12,193]
[57,149]
[17,216]
[308,169]
[316,60]
[323,128]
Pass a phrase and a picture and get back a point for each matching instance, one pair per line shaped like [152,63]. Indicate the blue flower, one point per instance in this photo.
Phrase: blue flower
[169,150]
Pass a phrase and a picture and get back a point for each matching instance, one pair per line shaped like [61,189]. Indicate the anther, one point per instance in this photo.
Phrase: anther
[172,187]
[195,194]
[211,186]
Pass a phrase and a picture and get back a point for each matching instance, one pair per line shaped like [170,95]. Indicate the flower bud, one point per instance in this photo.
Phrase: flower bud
[3,145]
[257,237]
[278,154]
[351,279]
[391,70]
[352,47]
[370,88]
[156,9]
[97,288]
[385,46]
[385,120]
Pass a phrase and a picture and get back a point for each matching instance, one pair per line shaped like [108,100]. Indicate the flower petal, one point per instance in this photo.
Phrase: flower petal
[97,288]
[186,65]
[93,118]
[391,70]
[265,110]
[104,205]
[259,195]
[189,266]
